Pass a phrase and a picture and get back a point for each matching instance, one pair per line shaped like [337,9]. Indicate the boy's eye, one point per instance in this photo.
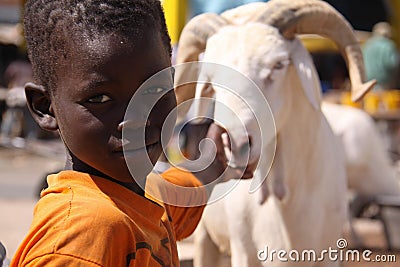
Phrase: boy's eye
[154,90]
[99,99]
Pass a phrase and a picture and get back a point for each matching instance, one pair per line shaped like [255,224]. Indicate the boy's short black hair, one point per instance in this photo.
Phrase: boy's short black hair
[51,25]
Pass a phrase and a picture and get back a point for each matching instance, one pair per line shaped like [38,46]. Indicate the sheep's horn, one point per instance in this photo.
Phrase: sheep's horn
[318,17]
[192,42]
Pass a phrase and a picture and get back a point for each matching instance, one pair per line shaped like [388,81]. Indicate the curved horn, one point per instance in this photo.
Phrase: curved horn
[192,42]
[318,17]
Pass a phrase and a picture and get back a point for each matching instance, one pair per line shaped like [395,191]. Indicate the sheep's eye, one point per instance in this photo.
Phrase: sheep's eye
[278,66]
[281,64]
[99,99]
[154,90]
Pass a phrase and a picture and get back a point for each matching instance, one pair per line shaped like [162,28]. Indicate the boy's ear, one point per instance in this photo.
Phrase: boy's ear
[39,103]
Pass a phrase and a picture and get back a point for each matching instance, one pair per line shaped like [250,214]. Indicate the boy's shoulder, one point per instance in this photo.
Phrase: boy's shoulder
[76,197]
[80,195]
[74,217]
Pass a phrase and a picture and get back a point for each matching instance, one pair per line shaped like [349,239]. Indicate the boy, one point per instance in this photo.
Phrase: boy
[89,58]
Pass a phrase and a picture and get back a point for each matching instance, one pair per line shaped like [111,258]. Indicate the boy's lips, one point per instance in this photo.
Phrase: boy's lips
[128,147]
[141,158]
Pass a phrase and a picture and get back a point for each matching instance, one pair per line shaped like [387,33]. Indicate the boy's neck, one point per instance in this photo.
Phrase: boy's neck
[77,165]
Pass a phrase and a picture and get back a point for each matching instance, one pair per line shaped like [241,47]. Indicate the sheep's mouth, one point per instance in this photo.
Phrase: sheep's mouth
[245,172]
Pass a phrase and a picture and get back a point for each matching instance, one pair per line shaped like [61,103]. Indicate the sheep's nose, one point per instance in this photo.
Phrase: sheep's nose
[244,150]
[241,152]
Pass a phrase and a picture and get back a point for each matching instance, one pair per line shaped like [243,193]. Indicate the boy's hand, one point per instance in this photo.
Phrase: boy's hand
[213,150]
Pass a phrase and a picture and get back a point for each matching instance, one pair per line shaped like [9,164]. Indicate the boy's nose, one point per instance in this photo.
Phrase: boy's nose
[132,124]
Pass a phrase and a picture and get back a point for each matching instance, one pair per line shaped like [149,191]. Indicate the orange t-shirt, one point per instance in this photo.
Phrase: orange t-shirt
[84,220]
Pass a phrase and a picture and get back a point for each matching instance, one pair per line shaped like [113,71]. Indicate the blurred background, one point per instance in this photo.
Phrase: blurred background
[27,154]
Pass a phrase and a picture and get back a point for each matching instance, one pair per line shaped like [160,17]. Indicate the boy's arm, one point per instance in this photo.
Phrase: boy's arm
[210,169]
[185,193]
[184,202]
[214,159]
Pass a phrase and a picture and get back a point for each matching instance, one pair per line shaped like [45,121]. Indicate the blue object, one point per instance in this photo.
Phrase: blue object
[216,6]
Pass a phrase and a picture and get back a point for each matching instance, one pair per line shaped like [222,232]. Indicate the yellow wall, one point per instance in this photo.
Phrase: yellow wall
[175,16]
[395,20]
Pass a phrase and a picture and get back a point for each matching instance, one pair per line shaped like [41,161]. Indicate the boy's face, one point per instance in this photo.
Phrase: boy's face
[94,88]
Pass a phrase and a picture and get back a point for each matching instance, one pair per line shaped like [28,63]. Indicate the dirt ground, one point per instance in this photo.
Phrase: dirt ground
[372,237]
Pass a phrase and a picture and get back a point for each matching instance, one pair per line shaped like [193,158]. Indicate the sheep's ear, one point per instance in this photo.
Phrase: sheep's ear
[307,73]
[203,106]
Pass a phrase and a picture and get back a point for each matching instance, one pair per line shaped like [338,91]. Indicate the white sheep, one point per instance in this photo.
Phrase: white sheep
[369,170]
[306,207]
[368,165]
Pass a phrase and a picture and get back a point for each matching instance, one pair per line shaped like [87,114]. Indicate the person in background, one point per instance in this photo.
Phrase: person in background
[17,121]
[381,56]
